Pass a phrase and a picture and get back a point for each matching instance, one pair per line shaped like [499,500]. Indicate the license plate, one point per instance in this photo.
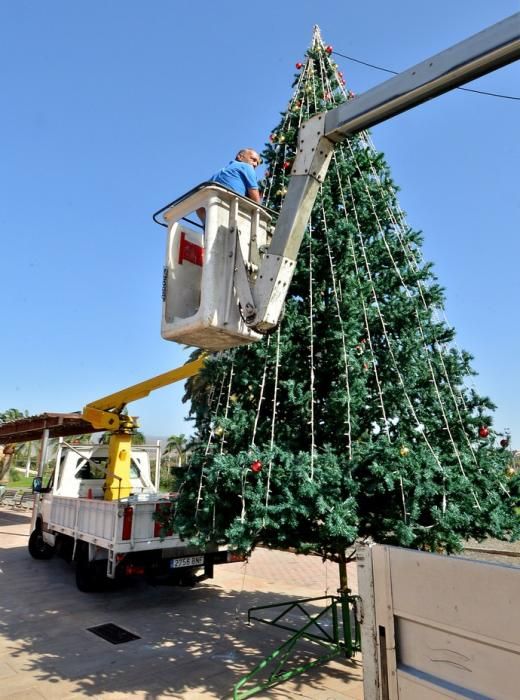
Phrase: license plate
[186,561]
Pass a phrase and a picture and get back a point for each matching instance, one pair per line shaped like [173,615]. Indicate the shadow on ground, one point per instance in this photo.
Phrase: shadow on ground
[192,642]
[12,517]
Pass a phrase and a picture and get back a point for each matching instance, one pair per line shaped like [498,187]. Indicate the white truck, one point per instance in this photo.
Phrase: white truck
[112,539]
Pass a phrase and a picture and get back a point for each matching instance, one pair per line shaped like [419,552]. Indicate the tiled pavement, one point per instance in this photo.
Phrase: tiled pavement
[194,643]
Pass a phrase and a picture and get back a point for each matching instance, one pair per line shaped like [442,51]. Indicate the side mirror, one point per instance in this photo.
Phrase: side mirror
[37,484]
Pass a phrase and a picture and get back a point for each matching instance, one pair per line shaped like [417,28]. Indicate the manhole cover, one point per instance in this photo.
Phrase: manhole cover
[113,633]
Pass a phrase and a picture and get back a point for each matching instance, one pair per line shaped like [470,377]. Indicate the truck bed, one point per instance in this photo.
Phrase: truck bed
[101,523]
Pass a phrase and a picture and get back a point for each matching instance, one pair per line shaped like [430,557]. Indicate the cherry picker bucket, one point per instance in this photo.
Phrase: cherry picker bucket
[215,241]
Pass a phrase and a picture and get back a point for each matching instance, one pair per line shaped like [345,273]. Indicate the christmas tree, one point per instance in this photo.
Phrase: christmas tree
[354,419]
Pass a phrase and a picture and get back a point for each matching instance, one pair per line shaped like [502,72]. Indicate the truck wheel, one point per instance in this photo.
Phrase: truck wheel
[38,548]
[64,547]
[90,576]
[189,579]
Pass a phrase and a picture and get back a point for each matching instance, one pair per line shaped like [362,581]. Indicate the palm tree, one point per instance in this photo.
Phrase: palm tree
[177,444]
[81,439]
[138,438]
[9,451]
[24,456]
[12,414]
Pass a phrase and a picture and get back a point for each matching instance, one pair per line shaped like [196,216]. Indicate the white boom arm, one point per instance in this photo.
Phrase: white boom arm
[482,53]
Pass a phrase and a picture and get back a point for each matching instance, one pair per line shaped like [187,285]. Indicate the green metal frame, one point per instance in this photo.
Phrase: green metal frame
[341,640]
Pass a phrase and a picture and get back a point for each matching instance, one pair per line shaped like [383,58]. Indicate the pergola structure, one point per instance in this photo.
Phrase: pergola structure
[33,427]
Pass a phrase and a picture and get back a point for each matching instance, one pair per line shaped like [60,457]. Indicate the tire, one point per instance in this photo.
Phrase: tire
[189,579]
[64,547]
[38,548]
[90,575]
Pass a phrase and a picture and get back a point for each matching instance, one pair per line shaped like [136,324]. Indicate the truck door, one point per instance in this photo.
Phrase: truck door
[438,627]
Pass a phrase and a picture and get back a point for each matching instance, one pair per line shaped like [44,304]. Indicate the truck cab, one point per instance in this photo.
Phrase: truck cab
[81,470]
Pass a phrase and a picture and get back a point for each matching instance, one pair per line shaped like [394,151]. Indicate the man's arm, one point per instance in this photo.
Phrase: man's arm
[250,182]
[254,194]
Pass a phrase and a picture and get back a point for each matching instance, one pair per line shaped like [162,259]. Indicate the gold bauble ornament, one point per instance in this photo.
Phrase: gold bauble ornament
[404,451]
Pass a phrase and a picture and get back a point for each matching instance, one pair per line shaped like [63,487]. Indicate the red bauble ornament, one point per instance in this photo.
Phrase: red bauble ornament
[299,65]
[286,165]
[483,431]
[504,443]
[329,49]
[256,466]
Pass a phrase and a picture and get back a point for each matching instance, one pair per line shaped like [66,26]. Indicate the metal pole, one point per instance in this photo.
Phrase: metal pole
[345,618]
[57,465]
[28,460]
[158,465]
[482,53]
[42,459]
[43,451]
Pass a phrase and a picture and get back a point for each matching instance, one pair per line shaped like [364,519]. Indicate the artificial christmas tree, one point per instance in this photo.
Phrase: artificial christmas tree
[355,411]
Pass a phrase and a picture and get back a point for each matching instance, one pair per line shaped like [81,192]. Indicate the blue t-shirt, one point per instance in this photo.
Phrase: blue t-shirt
[237,176]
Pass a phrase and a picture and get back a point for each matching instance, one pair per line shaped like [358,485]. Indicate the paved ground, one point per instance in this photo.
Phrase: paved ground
[194,643]
[496,551]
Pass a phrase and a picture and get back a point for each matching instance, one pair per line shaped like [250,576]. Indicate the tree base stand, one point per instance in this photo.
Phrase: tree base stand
[336,627]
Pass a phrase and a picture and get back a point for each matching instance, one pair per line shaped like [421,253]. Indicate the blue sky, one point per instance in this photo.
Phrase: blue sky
[112,109]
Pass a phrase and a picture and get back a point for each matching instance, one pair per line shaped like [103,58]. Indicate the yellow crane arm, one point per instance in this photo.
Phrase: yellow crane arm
[105,413]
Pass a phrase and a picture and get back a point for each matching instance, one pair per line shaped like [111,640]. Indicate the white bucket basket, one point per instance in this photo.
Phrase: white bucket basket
[200,300]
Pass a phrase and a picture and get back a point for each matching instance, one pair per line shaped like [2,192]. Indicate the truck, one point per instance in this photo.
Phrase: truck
[100,507]
[112,539]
